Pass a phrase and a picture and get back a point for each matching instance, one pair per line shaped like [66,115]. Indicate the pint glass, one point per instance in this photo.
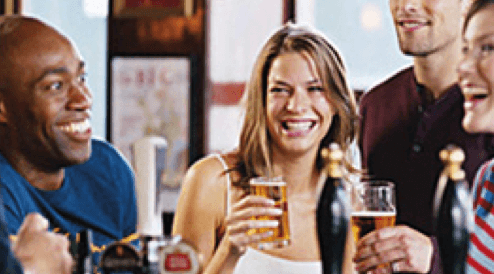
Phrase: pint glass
[275,189]
[373,207]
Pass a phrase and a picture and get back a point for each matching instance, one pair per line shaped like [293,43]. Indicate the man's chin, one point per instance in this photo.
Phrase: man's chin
[415,53]
[78,157]
[414,50]
[471,127]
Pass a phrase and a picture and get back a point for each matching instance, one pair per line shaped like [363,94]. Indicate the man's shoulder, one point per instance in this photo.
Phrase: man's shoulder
[100,144]
[105,164]
[484,179]
[9,177]
[103,149]
[396,81]
[105,154]
[488,167]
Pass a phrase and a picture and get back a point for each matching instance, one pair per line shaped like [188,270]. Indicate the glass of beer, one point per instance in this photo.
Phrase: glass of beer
[373,207]
[275,189]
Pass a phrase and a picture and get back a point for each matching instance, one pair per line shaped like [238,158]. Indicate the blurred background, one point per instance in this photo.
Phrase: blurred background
[233,32]
[177,68]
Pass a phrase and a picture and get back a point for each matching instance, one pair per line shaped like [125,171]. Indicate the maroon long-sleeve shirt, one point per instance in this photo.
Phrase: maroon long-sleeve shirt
[402,132]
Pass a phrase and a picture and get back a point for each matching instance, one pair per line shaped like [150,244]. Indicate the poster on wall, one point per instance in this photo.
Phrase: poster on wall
[151,96]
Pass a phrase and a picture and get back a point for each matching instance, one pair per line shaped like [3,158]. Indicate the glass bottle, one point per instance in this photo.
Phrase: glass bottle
[84,255]
[333,212]
[452,211]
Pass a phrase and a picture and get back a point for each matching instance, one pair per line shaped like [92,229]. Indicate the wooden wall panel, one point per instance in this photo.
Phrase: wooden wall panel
[166,36]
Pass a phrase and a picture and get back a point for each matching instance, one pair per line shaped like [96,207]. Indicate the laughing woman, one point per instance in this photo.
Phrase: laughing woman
[298,101]
[476,77]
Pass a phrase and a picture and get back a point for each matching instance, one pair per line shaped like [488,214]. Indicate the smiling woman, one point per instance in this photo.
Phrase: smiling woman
[476,78]
[298,101]
[299,113]
[476,71]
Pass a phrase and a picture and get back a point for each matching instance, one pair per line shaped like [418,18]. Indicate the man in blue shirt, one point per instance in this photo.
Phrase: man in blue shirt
[49,162]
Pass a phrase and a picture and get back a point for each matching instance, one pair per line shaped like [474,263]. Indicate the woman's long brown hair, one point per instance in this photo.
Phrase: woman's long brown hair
[254,147]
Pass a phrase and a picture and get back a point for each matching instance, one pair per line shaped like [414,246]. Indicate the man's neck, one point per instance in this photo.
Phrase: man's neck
[38,177]
[43,180]
[437,71]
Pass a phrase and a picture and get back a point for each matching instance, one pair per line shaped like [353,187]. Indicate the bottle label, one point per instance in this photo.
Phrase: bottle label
[119,257]
[177,262]
[179,258]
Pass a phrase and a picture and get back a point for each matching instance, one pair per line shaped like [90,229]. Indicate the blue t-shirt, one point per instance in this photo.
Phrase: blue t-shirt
[98,195]
[8,264]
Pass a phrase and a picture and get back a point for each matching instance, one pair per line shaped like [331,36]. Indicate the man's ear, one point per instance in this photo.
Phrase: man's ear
[3,111]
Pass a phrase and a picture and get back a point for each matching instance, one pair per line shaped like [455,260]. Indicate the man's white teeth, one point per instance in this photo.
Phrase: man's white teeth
[76,127]
[298,125]
[410,25]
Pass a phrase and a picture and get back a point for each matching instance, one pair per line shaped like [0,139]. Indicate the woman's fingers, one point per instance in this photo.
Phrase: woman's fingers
[250,212]
[252,201]
[245,226]
[247,216]
[242,240]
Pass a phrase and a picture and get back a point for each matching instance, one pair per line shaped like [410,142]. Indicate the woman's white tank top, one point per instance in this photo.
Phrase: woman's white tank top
[254,261]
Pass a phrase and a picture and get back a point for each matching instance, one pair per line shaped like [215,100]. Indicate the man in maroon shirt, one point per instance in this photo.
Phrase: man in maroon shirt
[406,120]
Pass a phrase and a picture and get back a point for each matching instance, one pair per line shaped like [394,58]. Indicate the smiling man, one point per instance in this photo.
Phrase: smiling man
[49,163]
[405,121]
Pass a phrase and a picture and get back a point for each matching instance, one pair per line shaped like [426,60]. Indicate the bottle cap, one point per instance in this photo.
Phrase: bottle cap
[332,153]
[332,156]
[452,154]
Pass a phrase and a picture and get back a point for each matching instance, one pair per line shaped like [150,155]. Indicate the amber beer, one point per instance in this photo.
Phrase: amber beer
[274,189]
[366,221]
[374,207]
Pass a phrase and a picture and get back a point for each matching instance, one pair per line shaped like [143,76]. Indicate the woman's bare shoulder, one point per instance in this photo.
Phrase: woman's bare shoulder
[203,193]
[209,171]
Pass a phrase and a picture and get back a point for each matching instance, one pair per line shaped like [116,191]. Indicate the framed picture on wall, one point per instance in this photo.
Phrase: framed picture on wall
[152,8]
[151,96]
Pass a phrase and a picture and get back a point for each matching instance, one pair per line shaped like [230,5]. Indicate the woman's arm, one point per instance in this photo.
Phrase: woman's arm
[201,213]
[201,207]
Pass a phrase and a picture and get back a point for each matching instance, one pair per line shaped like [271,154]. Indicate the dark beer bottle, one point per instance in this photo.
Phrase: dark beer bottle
[452,211]
[149,254]
[84,256]
[333,212]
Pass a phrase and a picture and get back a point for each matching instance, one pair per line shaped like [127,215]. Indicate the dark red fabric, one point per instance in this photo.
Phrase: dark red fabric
[401,136]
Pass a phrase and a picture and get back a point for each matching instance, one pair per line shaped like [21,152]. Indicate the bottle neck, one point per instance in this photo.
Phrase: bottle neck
[455,173]
[334,170]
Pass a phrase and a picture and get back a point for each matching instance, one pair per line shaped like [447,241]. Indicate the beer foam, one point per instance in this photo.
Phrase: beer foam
[373,213]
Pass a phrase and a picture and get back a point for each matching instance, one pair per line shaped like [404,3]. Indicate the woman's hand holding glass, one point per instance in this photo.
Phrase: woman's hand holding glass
[242,219]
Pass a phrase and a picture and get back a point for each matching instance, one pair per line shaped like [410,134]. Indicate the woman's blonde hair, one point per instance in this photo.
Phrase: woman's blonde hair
[254,149]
